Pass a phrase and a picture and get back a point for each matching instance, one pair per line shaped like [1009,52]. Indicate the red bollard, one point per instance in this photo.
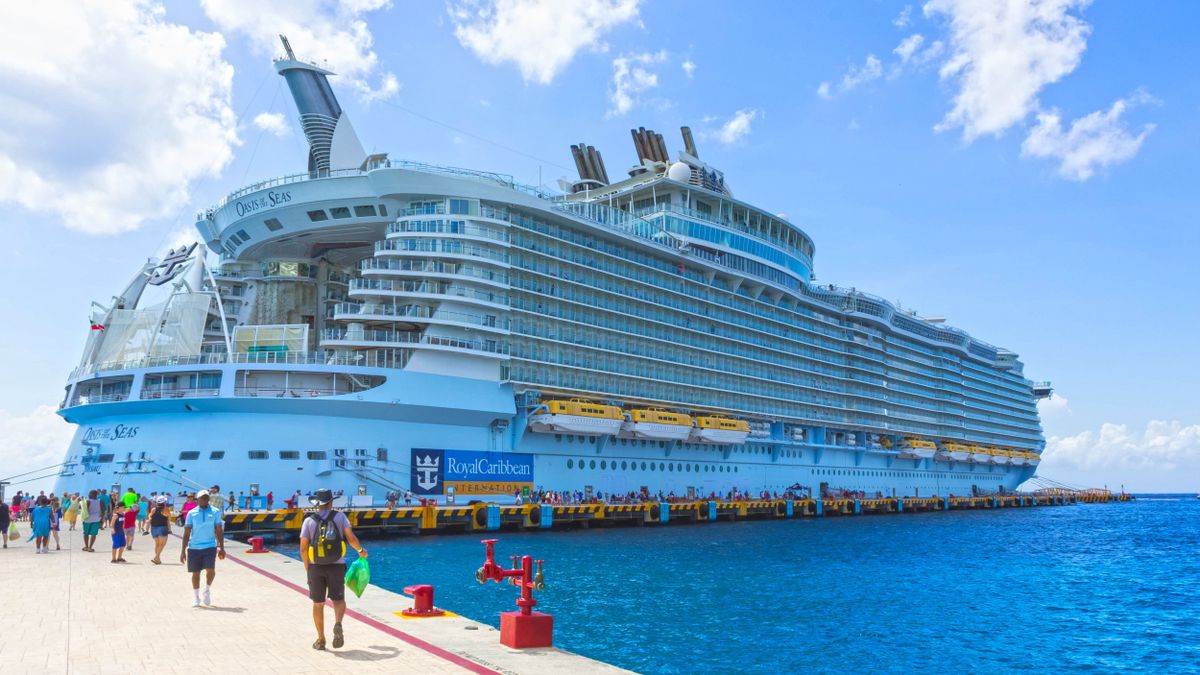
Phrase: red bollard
[422,602]
[526,628]
[256,545]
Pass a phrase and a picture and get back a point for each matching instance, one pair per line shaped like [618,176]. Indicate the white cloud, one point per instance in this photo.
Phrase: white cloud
[1003,54]
[689,68]
[33,441]
[1162,446]
[1055,406]
[111,112]
[272,123]
[1091,142]
[903,18]
[909,46]
[871,69]
[735,128]
[540,36]
[333,33]
[630,79]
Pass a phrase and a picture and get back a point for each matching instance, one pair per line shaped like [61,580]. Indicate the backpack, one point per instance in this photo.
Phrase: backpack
[327,544]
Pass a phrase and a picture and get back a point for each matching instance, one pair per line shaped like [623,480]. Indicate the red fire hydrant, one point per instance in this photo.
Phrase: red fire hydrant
[526,628]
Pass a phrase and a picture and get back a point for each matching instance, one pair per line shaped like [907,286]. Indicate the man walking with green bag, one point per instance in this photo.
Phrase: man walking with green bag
[323,539]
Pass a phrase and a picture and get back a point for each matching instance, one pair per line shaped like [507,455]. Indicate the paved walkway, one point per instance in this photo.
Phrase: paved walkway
[74,612]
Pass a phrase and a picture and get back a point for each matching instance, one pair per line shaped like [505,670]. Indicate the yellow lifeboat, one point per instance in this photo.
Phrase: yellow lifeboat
[956,452]
[718,429]
[656,424]
[576,416]
[917,448]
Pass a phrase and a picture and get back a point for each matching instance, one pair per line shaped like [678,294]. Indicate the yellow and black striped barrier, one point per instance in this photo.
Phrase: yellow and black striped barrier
[484,517]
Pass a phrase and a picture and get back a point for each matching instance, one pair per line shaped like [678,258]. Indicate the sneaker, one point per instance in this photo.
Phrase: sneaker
[195,602]
[207,598]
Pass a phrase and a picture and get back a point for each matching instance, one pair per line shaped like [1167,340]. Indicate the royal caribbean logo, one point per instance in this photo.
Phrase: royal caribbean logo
[470,471]
[427,471]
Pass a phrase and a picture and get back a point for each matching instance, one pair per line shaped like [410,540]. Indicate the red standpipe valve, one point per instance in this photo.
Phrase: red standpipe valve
[525,628]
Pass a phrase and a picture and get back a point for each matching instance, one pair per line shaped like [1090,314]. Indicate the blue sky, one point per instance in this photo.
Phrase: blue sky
[1024,168]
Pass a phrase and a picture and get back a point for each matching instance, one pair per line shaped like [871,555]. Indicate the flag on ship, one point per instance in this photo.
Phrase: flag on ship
[97,326]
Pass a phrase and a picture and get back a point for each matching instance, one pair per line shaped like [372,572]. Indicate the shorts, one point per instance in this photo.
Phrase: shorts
[329,579]
[201,559]
[118,540]
[129,532]
[91,529]
[159,531]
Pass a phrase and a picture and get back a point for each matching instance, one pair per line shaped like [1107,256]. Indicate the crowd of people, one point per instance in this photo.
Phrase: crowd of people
[126,516]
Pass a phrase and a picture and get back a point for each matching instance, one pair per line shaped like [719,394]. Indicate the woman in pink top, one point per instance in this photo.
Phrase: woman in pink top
[188,505]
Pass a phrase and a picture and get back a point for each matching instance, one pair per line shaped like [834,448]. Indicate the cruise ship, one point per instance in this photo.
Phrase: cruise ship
[377,325]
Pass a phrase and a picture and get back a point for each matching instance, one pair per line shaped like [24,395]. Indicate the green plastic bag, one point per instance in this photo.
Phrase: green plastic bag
[358,576]
[13,533]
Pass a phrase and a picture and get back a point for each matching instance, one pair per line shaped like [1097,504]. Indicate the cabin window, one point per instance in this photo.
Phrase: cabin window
[340,212]
[289,454]
[316,454]
[257,454]
[273,224]
[189,455]
[367,211]
[318,215]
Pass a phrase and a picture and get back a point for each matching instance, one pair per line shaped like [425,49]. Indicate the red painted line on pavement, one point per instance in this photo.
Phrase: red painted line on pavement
[379,625]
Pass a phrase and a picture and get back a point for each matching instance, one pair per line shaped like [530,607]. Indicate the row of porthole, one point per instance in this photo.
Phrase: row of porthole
[902,474]
[605,465]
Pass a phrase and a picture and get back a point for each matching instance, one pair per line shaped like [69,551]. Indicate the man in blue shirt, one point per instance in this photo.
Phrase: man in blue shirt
[203,542]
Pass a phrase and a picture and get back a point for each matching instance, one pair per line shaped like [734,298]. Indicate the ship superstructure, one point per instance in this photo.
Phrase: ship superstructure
[379,325]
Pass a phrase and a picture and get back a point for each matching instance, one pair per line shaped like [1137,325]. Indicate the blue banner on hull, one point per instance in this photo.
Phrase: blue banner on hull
[469,471]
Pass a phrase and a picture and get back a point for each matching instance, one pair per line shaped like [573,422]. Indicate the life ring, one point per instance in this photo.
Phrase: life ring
[481,519]
[654,512]
[535,516]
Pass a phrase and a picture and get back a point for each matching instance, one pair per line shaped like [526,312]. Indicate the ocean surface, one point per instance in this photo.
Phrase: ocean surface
[1088,588]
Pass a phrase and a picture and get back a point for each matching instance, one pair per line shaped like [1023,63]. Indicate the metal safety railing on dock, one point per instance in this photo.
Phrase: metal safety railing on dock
[484,517]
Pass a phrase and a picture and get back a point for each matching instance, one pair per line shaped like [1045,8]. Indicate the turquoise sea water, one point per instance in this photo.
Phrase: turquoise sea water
[1089,588]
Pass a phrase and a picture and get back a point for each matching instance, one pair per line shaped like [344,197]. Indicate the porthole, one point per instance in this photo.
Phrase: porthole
[603,464]
[623,465]
[593,464]
[643,466]
[671,467]
[570,464]
[661,467]
[652,466]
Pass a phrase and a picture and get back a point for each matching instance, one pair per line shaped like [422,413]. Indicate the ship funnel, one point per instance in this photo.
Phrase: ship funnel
[590,165]
[689,145]
[649,145]
[332,143]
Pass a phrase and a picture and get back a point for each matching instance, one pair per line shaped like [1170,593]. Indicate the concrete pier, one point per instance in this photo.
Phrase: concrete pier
[74,612]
